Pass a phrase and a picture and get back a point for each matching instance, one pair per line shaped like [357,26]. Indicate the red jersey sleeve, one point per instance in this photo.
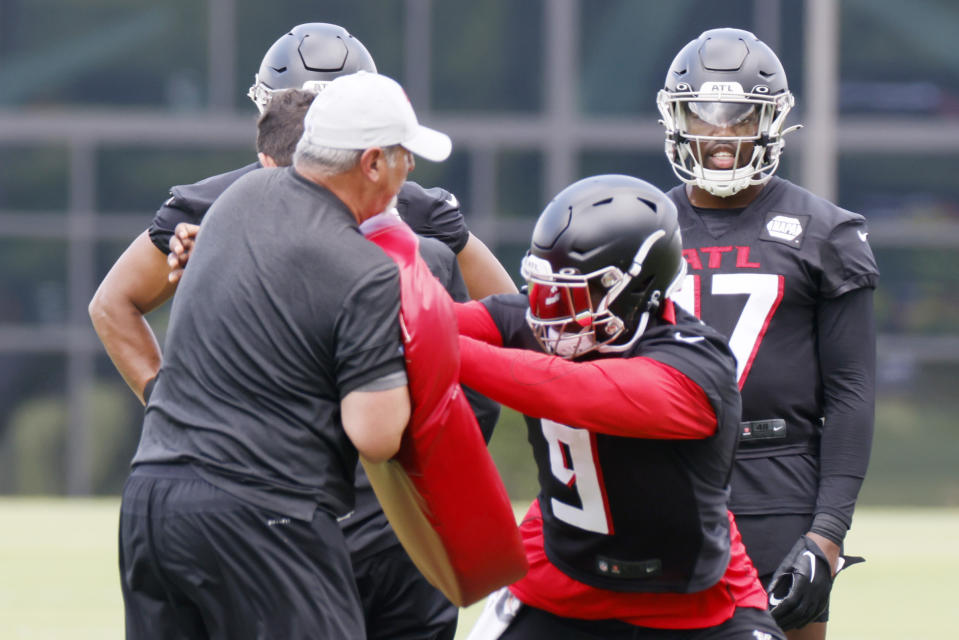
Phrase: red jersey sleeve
[475,321]
[633,397]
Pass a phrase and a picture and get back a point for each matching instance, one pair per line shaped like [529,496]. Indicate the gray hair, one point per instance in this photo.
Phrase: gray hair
[325,160]
[330,161]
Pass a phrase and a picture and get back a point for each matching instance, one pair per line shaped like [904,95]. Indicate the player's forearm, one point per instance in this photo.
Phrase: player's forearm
[845,449]
[135,285]
[635,397]
[128,340]
[847,357]
[836,503]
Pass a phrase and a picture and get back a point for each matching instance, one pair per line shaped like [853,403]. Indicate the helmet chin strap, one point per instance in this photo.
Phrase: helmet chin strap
[571,345]
[718,184]
[723,183]
[726,182]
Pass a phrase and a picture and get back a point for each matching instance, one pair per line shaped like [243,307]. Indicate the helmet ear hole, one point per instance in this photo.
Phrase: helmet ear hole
[637,302]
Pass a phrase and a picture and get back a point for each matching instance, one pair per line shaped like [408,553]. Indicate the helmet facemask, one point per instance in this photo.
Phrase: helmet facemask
[689,116]
[572,314]
[261,94]
[568,311]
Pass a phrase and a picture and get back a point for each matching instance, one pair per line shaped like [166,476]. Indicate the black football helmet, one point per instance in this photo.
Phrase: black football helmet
[308,57]
[725,78]
[606,253]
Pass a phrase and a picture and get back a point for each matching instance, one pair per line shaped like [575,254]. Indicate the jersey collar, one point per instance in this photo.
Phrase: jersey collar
[669,312]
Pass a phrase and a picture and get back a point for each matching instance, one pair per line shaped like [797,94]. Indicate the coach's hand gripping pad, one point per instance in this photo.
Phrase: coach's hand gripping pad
[441,492]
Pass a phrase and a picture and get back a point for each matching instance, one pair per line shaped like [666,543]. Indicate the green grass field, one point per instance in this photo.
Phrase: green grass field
[58,576]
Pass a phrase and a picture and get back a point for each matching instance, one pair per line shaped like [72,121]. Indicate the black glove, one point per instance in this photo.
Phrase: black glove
[799,591]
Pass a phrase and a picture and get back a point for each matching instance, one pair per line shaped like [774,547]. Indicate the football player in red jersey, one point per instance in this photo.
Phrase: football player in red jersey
[789,278]
[633,415]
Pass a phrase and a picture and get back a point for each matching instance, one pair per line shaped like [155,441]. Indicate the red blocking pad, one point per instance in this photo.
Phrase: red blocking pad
[442,492]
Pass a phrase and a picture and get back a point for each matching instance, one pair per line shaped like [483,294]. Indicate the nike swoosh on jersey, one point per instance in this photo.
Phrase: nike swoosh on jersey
[689,339]
[863,235]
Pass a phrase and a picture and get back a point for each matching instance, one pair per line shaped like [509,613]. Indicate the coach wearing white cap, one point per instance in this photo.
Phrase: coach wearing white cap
[357,131]
[283,358]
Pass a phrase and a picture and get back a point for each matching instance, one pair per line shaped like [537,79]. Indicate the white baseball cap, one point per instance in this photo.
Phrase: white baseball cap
[363,110]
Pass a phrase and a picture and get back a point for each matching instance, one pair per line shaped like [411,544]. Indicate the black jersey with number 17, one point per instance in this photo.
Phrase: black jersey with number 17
[756,275]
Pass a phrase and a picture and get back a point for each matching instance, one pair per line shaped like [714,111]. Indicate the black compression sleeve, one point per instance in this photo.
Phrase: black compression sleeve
[847,354]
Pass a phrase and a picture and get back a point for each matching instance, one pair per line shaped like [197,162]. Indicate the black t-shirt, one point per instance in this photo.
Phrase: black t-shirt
[284,309]
[765,276]
[433,213]
[189,203]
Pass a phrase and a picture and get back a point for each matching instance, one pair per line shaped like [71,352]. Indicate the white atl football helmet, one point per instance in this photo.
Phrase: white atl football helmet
[726,81]
[309,57]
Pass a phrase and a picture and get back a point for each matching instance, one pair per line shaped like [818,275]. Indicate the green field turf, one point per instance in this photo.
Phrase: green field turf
[58,576]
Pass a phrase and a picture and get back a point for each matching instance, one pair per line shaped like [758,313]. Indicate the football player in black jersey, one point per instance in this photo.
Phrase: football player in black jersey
[397,601]
[789,277]
[633,415]
[138,282]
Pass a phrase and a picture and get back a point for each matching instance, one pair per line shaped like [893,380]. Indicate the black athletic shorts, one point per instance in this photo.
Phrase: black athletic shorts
[535,624]
[769,538]
[398,602]
[195,562]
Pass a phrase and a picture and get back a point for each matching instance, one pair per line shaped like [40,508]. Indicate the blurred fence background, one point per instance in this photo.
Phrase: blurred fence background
[104,104]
